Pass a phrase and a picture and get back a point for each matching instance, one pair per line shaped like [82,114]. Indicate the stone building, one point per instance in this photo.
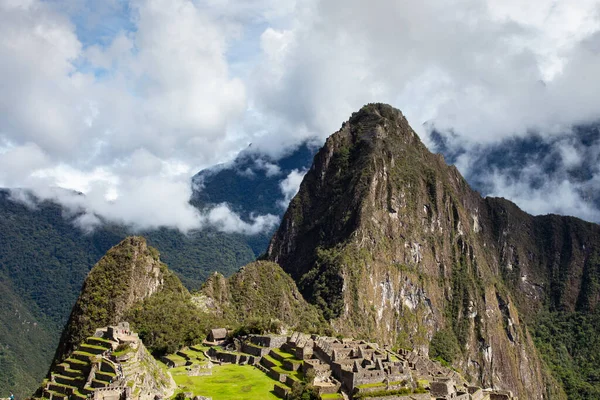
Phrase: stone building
[217,336]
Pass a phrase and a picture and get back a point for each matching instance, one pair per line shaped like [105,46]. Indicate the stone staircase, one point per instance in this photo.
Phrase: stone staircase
[83,372]
[284,368]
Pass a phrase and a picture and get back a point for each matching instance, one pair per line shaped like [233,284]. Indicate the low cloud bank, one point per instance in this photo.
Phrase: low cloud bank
[150,204]
[558,174]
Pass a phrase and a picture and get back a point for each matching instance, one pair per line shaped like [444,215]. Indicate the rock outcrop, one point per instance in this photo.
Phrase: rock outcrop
[393,244]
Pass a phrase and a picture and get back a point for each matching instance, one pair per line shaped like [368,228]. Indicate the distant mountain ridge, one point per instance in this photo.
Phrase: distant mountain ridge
[251,182]
[533,160]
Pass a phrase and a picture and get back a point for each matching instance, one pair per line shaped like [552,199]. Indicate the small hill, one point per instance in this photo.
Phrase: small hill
[260,291]
[129,272]
[44,260]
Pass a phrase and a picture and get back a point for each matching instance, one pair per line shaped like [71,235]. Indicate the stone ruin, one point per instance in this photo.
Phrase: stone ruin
[447,389]
[113,364]
[358,363]
[356,367]
[216,337]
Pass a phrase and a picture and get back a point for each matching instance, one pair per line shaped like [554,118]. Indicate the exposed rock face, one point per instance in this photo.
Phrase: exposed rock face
[144,373]
[129,272]
[393,244]
[259,291]
[549,260]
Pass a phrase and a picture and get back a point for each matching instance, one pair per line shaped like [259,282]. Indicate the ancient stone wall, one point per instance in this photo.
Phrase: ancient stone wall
[268,340]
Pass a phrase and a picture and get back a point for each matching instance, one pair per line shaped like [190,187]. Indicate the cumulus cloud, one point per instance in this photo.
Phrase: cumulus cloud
[224,219]
[124,120]
[480,68]
[552,197]
[127,111]
[290,186]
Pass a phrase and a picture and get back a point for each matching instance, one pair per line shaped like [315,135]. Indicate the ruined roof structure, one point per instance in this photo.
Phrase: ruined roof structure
[218,334]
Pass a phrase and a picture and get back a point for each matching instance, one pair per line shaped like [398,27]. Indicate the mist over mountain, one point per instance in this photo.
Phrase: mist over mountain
[542,173]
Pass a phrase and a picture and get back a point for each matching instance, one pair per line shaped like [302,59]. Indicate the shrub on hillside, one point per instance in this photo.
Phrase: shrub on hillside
[444,346]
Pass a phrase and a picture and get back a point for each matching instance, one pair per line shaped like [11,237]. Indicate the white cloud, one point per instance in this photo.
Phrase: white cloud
[269,168]
[290,186]
[474,67]
[166,207]
[128,117]
[16,163]
[553,197]
[226,220]
[128,127]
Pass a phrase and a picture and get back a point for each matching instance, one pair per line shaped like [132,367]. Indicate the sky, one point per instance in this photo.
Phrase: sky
[126,100]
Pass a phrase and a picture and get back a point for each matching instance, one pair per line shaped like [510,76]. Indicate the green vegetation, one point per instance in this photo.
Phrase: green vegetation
[302,390]
[258,326]
[444,347]
[122,349]
[464,289]
[403,391]
[261,297]
[25,346]
[326,282]
[168,320]
[570,345]
[106,291]
[227,382]
[193,257]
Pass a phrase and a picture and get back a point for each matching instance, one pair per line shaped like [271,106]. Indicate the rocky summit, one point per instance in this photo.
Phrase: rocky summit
[392,243]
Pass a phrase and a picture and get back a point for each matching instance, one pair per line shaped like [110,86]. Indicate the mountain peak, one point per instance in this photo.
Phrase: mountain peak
[391,242]
[377,110]
[129,272]
[377,122]
[376,145]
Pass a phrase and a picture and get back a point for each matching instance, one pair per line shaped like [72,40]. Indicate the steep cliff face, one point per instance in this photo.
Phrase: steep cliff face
[392,243]
[129,272]
[549,261]
[259,291]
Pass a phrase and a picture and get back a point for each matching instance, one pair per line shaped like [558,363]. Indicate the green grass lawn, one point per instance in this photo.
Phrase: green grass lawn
[228,382]
[331,396]
[283,354]
[193,354]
